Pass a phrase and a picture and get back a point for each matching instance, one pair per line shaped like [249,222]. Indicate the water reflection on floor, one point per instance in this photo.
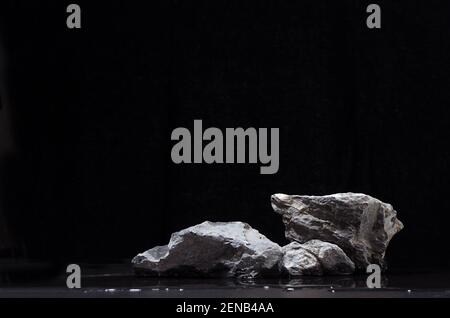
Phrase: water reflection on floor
[119,281]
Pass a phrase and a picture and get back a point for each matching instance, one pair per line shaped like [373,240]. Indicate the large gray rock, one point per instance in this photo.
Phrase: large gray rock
[315,258]
[359,224]
[212,249]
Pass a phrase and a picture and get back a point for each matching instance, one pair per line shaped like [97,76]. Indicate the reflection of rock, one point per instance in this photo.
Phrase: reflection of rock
[315,258]
[359,224]
[348,281]
[212,249]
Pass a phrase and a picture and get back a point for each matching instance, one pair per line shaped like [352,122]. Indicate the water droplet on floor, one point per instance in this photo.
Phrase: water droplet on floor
[134,290]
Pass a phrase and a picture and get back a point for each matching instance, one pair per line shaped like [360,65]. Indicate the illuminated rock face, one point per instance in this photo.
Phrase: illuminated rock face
[230,249]
[315,258]
[297,261]
[360,225]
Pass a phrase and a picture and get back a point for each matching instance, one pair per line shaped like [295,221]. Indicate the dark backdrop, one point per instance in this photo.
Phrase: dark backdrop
[92,111]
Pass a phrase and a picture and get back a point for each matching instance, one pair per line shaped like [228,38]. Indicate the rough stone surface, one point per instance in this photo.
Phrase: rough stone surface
[315,258]
[212,249]
[297,261]
[359,224]
[331,257]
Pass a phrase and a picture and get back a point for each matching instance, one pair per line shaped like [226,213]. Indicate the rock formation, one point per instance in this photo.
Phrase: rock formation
[333,234]
[359,224]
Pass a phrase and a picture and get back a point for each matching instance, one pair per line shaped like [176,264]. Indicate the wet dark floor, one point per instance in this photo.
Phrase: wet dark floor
[119,281]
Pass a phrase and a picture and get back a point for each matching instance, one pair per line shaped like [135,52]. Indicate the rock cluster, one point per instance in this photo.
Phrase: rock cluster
[359,224]
[330,235]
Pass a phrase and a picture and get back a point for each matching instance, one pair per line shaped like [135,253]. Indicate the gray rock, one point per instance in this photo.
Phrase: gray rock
[212,249]
[359,224]
[315,258]
[331,257]
[297,261]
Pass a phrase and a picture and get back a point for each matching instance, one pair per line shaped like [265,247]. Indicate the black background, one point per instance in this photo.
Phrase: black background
[91,178]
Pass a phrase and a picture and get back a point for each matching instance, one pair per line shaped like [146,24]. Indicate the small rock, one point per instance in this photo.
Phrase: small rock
[315,258]
[331,257]
[298,261]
